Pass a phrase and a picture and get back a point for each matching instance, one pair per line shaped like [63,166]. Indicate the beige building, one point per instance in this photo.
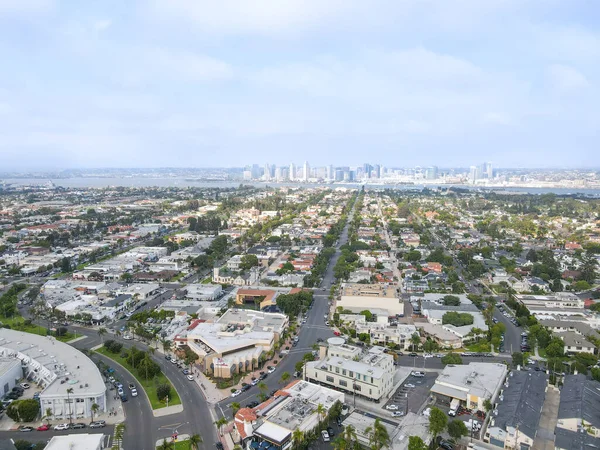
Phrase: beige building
[234,343]
[369,374]
[358,297]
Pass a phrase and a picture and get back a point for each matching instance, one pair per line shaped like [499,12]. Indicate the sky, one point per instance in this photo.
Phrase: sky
[194,83]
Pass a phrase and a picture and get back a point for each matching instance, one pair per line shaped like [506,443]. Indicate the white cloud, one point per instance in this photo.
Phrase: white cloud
[265,17]
[566,78]
[20,7]
[102,25]
[188,66]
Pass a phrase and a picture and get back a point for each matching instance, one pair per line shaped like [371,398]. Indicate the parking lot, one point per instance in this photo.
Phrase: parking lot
[411,394]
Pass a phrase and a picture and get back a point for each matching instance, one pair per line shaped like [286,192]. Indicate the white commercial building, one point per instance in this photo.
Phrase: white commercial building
[10,374]
[471,384]
[78,442]
[369,374]
[203,291]
[58,368]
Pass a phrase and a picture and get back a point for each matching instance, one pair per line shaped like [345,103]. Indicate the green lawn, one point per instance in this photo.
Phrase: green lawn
[148,385]
[479,347]
[18,323]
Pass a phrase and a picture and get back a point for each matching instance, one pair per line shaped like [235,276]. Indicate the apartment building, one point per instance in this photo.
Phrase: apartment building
[369,374]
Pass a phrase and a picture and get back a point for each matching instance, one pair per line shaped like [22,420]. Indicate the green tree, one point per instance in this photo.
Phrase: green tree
[415,340]
[194,441]
[163,391]
[235,407]
[378,435]
[451,300]
[416,443]
[94,409]
[166,445]
[285,376]
[437,422]
[248,261]
[452,358]
[517,359]
[457,429]
[297,438]
[220,423]
[101,332]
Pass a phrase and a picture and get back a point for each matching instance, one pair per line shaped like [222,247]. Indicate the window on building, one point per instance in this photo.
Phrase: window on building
[343,383]
[329,379]
[344,372]
[337,370]
[351,374]
[357,387]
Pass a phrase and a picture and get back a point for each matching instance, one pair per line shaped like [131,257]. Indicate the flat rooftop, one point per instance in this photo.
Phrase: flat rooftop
[60,359]
[369,290]
[480,379]
[76,442]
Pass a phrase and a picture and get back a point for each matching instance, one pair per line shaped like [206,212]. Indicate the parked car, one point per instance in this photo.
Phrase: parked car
[270,369]
[190,377]
[409,385]
[131,386]
[61,426]
[325,436]
[397,414]
[392,407]
[236,393]
[98,424]
[124,398]
[25,429]
[44,427]
[134,392]
[77,426]
[25,385]
[255,381]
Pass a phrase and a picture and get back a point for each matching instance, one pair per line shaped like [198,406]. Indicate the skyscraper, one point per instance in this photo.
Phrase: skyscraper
[431,173]
[292,172]
[306,173]
[330,172]
[473,174]
[490,171]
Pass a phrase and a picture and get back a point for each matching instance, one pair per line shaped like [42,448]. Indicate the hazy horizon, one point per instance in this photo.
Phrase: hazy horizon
[201,84]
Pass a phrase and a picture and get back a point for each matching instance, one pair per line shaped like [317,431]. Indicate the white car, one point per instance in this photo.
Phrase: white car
[25,386]
[397,414]
[120,391]
[392,407]
[134,392]
[409,385]
[190,377]
[271,369]
[236,393]
[427,355]
[127,337]
[61,426]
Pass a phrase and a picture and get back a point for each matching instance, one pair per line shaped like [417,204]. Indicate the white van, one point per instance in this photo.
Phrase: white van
[454,407]
[325,436]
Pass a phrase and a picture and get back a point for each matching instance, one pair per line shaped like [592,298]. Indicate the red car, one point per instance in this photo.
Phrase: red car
[43,428]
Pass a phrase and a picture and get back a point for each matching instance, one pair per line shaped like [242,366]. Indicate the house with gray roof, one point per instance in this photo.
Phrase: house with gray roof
[516,415]
[579,408]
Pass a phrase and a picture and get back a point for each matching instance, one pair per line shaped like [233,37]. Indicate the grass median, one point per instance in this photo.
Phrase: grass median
[148,385]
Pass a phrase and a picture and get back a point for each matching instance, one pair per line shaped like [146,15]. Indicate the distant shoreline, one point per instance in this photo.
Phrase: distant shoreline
[182,182]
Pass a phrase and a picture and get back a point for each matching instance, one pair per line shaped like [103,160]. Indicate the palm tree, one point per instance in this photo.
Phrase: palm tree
[220,424]
[415,340]
[235,407]
[166,345]
[378,436]
[285,376]
[320,413]
[69,392]
[166,445]
[48,415]
[95,407]
[194,441]
[101,332]
[263,388]
[349,434]
[297,438]
[118,333]
[119,433]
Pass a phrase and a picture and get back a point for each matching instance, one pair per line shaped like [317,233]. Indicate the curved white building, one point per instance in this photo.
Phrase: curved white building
[57,368]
